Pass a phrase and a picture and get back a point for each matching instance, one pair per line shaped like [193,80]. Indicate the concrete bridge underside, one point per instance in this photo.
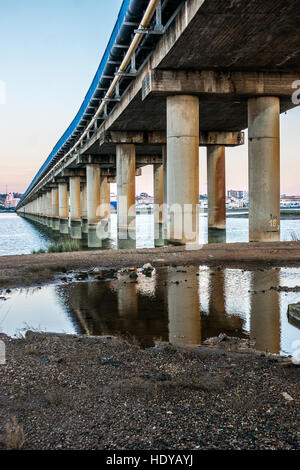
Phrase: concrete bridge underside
[220,67]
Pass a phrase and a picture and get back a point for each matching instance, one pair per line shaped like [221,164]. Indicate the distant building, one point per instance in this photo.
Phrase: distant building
[11,201]
[236,194]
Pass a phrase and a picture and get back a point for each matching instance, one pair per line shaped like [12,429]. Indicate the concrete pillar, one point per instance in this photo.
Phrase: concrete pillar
[93,204]
[165,192]
[84,216]
[183,168]
[105,206]
[55,209]
[43,208]
[49,209]
[216,190]
[75,207]
[39,209]
[158,183]
[126,195]
[63,198]
[264,169]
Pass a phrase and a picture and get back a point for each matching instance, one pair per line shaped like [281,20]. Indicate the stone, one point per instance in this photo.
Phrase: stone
[287,397]
[294,313]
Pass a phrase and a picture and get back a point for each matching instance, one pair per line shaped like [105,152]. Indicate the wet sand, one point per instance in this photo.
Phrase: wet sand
[32,270]
[76,392]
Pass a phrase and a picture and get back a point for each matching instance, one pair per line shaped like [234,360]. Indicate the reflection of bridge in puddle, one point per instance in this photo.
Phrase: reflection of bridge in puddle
[183,306]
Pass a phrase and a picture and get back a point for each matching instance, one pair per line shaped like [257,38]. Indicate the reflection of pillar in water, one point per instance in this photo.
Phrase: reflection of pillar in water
[265,311]
[217,291]
[218,320]
[127,298]
[184,307]
[216,236]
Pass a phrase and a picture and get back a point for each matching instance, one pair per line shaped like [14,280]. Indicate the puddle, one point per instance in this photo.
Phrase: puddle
[180,305]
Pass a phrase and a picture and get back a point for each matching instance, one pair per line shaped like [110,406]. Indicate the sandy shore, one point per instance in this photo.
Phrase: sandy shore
[68,392]
[31,270]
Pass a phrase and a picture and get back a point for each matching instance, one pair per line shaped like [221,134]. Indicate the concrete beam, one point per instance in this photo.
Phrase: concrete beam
[111,160]
[133,137]
[226,139]
[207,83]
[71,172]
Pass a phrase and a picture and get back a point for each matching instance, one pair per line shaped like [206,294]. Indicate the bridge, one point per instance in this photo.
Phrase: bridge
[176,75]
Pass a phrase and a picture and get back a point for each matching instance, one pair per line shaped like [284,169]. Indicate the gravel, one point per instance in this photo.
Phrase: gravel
[78,392]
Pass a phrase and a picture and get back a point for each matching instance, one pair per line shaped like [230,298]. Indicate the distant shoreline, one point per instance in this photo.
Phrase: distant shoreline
[237,213]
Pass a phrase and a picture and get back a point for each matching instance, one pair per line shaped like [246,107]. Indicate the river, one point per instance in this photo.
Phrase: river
[21,236]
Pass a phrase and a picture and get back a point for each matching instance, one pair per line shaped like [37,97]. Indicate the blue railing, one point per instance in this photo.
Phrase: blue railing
[87,99]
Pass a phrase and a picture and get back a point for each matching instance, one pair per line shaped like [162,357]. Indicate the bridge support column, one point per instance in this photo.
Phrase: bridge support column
[55,209]
[105,206]
[183,168]
[49,209]
[75,207]
[126,195]
[84,217]
[93,204]
[264,169]
[158,181]
[63,198]
[39,205]
[165,193]
[216,190]
[43,209]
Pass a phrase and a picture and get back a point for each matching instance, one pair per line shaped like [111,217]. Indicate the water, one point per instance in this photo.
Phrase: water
[21,236]
[180,307]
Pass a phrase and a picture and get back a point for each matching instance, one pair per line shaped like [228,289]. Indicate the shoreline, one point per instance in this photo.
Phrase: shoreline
[79,392]
[31,270]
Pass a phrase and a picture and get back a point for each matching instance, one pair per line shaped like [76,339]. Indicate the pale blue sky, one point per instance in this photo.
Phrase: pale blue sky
[49,53]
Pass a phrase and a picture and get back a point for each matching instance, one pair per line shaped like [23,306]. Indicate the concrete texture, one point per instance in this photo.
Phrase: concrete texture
[183,168]
[75,208]
[93,204]
[216,187]
[264,169]
[126,187]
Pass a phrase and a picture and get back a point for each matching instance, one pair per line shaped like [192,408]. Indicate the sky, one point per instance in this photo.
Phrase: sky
[49,53]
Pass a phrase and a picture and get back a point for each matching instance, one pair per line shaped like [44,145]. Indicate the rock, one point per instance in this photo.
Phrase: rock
[133,275]
[102,273]
[95,271]
[81,276]
[287,397]
[295,361]
[147,269]
[223,337]
[127,270]
[294,313]
[219,339]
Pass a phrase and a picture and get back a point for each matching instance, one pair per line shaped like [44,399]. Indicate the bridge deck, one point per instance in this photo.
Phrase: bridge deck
[215,35]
